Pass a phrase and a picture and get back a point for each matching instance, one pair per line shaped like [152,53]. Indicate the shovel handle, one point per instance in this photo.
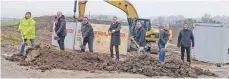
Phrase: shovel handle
[135,42]
[166,45]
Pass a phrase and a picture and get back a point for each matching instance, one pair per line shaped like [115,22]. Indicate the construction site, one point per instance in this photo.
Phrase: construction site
[46,60]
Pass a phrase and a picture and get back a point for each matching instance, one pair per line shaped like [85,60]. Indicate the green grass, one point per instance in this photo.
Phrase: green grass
[9,23]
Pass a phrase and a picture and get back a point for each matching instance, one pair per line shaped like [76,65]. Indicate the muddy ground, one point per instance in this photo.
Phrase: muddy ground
[47,68]
[14,70]
[46,58]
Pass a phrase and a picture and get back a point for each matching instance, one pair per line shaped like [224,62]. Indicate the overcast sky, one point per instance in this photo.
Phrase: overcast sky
[145,8]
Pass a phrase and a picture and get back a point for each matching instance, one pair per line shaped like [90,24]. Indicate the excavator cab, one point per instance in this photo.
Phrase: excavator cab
[145,24]
[152,34]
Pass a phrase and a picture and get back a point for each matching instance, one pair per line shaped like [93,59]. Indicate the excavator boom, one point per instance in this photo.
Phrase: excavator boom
[124,5]
[81,6]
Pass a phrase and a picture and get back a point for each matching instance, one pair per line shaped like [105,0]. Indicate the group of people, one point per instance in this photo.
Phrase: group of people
[185,38]
[185,42]
[88,36]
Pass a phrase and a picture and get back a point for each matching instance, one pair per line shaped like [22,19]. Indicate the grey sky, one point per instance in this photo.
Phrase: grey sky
[144,8]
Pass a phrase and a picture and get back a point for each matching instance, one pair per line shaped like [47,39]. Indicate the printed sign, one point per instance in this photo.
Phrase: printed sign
[69,39]
[101,39]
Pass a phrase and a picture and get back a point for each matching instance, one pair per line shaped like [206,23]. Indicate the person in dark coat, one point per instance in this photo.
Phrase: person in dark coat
[185,41]
[87,35]
[140,37]
[115,37]
[163,39]
[60,29]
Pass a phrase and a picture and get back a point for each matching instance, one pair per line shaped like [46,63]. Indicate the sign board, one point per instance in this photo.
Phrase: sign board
[69,39]
[101,39]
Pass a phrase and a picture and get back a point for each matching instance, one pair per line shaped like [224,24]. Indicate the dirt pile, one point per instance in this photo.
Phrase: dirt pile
[142,64]
[71,61]
[174,67]
[47,58]
[15,57]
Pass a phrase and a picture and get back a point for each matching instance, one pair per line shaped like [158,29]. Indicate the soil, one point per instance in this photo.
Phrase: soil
[141,64]
[54,63]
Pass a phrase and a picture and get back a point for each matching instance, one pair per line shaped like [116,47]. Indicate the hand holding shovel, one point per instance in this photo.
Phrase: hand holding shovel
[23,40]
[56,37]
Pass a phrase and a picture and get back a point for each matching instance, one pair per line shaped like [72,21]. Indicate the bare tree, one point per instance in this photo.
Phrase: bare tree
[206,18]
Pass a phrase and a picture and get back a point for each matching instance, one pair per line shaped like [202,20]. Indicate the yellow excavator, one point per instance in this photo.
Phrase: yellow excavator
[152,33]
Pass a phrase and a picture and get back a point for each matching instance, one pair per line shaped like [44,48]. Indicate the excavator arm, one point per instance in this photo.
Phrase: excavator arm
[124,5]
[81,6]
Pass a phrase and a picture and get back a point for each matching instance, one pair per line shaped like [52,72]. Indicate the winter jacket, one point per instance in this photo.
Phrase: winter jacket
[163,37]
[60,28]
[140,37]
[27,28]
[115,37]
[87,31]
[185,38]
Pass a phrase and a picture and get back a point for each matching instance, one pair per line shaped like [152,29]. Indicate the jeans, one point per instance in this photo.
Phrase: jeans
[61,42]
[116,50]
[90,44]
[187,52]
[161,52]
[22,46]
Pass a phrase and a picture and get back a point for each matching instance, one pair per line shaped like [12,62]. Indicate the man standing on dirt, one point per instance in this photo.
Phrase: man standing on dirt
[27,29]
[163,39]
[87,35]
[115,37]
[185,40]
[140,37]
[60,29]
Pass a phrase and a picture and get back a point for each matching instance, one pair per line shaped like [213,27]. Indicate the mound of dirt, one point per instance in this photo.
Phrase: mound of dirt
[47,58]
[148,65]
[174,67]
[17,58]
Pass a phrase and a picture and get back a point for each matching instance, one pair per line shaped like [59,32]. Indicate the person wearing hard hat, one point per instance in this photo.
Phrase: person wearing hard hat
[27,29]
[163,40]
